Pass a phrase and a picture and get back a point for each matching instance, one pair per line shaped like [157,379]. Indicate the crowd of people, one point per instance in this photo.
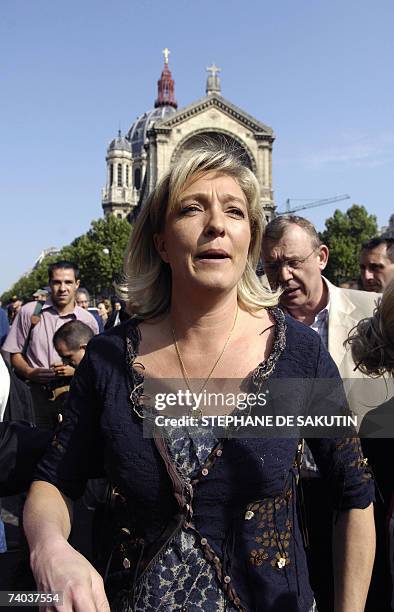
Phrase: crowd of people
[102,312]
[195,520]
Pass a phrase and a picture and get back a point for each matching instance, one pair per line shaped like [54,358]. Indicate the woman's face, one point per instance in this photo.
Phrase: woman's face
[101,309]
[206,238]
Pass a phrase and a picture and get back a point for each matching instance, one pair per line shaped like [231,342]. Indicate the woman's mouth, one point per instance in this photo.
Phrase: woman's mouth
[213,255]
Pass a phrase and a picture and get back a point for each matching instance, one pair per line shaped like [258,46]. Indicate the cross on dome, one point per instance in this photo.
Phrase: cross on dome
[165,85]
[166,52]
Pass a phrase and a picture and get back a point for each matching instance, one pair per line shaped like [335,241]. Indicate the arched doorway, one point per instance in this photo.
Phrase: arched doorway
[197,140]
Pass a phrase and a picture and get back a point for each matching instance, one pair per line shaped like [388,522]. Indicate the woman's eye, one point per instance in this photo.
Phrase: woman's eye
[189,208]
[236,212]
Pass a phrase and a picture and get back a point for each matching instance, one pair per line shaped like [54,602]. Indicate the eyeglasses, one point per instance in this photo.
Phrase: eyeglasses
[289,264]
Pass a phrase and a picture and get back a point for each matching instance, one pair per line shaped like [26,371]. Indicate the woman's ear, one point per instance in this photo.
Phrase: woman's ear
[160,245]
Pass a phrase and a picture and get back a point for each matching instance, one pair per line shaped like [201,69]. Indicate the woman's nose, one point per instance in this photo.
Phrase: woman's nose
[216,222]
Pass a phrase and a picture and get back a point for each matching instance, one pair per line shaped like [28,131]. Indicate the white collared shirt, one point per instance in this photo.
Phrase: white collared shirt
[320,323]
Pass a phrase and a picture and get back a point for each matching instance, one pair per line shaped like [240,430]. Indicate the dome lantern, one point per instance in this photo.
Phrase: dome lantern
[120,143]
[165,86]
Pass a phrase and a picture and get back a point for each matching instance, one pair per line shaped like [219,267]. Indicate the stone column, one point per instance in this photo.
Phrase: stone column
[260,164]
[143,166]
[267,172]
[162,156]
[108,173]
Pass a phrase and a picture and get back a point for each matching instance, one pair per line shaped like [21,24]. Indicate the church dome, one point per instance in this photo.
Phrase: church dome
[120,143]
[137,134]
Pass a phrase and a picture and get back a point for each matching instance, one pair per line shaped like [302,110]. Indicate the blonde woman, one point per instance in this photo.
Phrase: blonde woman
[208,524]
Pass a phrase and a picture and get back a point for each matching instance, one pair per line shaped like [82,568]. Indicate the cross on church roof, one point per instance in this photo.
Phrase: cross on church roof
[165,85]
[166,52]
[213,69]
[213,81]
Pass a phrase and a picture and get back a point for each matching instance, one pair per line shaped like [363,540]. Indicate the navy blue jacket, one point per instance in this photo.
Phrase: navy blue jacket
[242,501]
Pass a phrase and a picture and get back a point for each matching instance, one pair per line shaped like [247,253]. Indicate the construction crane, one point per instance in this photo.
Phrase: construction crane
[289,210]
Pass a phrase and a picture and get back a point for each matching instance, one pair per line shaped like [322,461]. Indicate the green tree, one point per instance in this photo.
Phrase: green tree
[344,235]
[98,254]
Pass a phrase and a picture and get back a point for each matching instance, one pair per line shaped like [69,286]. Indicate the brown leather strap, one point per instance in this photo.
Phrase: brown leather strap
[59,391]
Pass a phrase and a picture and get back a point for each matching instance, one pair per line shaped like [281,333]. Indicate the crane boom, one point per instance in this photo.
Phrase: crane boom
[322,202]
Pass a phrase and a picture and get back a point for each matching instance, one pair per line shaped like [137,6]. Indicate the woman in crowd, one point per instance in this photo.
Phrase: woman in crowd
[102,312]
[372,345]
[207,524]
[108,305]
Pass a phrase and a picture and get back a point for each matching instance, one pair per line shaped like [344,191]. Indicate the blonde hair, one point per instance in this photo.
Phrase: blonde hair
[146,282]
[372,340]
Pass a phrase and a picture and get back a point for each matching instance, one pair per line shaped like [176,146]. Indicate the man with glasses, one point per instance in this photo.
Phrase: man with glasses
[294,259]
[83,300]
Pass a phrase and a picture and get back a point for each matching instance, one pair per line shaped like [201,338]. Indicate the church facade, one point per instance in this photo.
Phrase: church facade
[158,138]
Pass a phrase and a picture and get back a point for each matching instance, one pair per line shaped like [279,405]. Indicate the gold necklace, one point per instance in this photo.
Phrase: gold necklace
[185,375]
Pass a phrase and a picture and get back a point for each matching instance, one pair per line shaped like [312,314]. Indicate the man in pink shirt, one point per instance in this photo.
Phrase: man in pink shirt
[30,340]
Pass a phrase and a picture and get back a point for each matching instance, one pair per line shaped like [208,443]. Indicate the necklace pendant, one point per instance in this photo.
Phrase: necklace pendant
[196,413]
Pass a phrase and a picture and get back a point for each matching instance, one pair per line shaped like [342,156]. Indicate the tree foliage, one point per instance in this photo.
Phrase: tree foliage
[98,254]
[344,235]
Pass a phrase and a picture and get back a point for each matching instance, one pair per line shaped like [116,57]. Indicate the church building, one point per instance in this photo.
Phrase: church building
[159,137]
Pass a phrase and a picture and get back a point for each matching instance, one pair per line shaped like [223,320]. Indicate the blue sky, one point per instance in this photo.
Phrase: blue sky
[319,73]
